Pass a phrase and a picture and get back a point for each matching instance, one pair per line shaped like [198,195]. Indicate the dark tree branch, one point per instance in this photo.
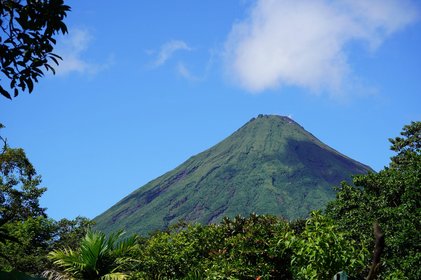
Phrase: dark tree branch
[378,249]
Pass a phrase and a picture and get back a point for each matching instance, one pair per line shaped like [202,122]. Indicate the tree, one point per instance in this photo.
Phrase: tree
[34,238]
[28,252]
[238,248]
[27,32]
[392,198]
[251,249]
[26,233]
[69,233]
[408,147]
[321,250]
[98,257]
[19,191]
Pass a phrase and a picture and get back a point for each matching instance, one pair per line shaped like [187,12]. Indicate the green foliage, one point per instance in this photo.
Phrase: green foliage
[69,233]
[256,247]
[34,237]
[407,147]
[19,191]
[269,166]
[173,254]
[97,257]
[321,250]
[27,31]
[251,249]
[24,230]
[392,198]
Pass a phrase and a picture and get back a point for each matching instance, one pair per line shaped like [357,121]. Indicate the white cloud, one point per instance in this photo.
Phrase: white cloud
[168,49]
[185,72]
[302,42]
[71,48]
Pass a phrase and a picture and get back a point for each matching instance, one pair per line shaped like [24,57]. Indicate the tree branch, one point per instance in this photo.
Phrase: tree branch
[378,249]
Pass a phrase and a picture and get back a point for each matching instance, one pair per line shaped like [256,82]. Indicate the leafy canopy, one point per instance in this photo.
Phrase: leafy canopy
[321,250]
[256,247]
[27,31]
[33,239]
[392,198]
[19,191]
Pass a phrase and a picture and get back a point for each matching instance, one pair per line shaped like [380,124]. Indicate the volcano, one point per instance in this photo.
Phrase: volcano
[271,165]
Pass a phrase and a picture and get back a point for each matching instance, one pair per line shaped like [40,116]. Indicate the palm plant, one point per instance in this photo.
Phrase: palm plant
[98,257]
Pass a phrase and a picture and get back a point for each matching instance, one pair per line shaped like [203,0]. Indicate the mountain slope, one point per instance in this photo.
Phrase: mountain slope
[271,165]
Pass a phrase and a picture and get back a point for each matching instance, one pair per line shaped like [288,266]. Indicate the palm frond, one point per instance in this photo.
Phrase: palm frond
[125,246]
[98,257]
[69,261]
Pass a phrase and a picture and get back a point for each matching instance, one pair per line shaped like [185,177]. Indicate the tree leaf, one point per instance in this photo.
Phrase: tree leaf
[5,93]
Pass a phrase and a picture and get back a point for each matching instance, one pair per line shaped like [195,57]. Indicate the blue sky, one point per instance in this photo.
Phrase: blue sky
[144,85]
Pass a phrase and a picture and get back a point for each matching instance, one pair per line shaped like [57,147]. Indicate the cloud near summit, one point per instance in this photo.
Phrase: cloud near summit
[302,42]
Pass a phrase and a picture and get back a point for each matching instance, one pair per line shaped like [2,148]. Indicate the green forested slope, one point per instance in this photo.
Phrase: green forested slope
[271,165]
